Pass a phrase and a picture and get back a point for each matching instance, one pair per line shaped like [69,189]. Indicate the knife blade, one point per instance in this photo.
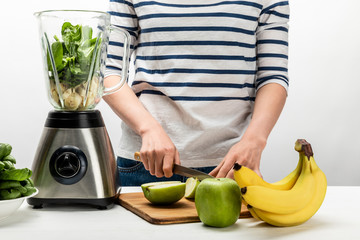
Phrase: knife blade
[181,170]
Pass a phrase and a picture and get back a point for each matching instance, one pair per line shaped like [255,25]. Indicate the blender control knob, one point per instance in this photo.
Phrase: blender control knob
[68,165]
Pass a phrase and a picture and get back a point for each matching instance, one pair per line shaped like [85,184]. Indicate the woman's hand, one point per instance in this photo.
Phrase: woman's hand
[269,102]
[158,153]
[247,152]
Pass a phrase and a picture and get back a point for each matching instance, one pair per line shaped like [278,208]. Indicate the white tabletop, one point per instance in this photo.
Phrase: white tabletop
[337,219]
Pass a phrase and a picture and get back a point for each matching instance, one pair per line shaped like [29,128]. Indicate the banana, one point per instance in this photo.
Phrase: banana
[251,210]
[246,177]
[304,214]
[253,213]
[283,201]
[289,181]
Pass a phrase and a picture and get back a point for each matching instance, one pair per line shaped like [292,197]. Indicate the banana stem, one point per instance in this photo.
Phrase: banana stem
[302,145]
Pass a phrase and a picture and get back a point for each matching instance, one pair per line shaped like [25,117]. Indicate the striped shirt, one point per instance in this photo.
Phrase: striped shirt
[198,65]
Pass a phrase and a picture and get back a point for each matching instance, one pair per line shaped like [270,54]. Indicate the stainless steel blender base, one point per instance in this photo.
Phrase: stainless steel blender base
[75,166]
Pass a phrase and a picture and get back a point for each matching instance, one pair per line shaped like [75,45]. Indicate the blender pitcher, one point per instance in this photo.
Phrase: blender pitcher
[74,47]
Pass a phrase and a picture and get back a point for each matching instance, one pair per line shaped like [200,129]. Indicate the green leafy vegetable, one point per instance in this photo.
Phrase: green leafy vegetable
[22,190]
[8,165]
[15,174]
[7,194]
[9,184]
[57,50]
[73,55]
[71,36]
[14,182]
[29,182]
[29,186]
[9,158]
[5,149]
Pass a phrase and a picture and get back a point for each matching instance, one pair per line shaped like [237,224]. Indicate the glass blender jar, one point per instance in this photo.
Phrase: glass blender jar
[74,48]
[75,162]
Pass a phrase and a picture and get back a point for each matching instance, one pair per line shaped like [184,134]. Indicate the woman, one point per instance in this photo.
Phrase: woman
[210,83]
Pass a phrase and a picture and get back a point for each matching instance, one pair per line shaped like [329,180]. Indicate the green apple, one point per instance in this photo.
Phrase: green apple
[191,186]
[218,201]
[163,193]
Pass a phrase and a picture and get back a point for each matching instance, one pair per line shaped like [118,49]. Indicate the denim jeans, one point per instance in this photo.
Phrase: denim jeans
[133,173]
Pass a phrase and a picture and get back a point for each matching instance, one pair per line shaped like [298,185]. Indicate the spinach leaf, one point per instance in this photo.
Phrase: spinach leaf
[9,158]
[8,165]
[9,184]
[85,53]
[57,50]
[86,33]
[12,193]
[73,55]
[71,36]
[15,174]
[5,149]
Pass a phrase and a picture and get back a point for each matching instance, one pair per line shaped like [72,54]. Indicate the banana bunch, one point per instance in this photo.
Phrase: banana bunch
[290,201]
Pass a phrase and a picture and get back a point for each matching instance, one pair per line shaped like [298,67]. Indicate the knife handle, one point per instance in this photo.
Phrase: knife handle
[137,156]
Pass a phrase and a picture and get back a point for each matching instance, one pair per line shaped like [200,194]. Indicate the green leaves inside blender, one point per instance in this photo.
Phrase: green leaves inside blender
[58,53]
[73,55]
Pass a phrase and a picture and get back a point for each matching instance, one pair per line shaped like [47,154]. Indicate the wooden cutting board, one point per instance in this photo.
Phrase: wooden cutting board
[183,211]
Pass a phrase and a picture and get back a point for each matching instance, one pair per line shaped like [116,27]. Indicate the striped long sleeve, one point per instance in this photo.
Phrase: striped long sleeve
[122,15]
[272,43]
[198,65]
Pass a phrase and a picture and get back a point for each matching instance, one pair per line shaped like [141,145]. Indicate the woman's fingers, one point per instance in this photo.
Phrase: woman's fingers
[226,167]
[216,170]
[230,174]
[167,166]
[160,163]
[144,160]
[177,157]
[148,159]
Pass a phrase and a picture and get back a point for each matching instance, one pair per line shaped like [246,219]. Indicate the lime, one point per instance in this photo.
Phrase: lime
[163,193]
[191,186]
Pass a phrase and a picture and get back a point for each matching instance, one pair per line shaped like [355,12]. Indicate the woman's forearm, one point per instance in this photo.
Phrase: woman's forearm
[158,153]
[269,102]
[128,107]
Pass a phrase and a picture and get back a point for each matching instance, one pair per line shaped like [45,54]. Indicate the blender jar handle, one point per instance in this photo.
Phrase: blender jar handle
[125,61]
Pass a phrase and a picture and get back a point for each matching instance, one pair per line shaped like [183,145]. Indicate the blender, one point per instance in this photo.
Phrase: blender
[75,162]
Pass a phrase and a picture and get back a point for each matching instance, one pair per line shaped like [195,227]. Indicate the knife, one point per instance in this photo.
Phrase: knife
[181,170]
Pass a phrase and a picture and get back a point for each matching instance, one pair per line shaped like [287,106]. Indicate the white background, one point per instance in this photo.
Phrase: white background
[322,106]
